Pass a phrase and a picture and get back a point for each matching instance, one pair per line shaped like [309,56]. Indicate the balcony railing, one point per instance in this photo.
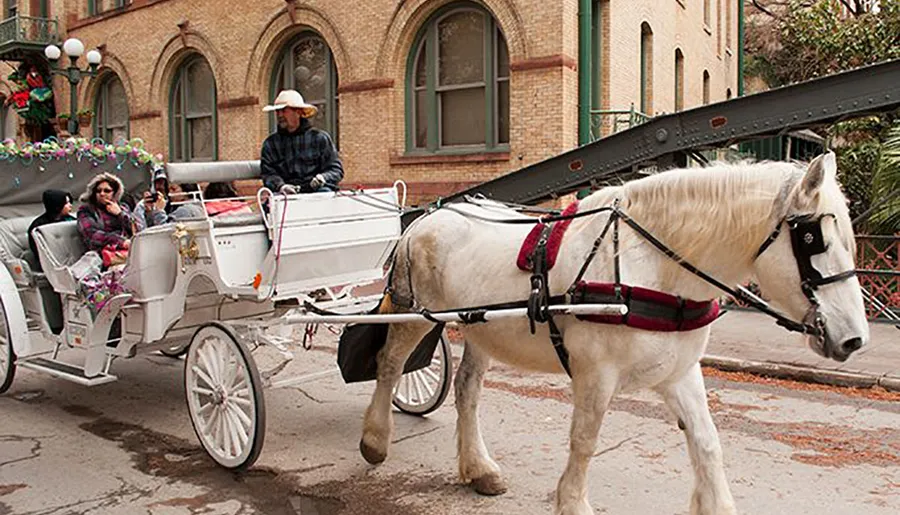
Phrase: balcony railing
[605,122]
[21,32]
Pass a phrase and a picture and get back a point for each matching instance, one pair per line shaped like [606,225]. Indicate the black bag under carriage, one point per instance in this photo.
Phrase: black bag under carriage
[359,345]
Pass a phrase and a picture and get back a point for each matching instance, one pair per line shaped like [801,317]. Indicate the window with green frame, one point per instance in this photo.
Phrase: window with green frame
[646,69]
[101,6]
[192,112]
[307,65]
[458,83]
[111,109]
[679,80]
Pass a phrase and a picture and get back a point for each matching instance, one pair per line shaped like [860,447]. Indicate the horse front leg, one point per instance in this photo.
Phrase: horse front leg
[378,424]
[475,463]
[687,400]
[593,388]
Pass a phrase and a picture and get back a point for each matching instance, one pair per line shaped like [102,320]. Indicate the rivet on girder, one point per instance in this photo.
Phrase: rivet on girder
[808,114]
[825,110]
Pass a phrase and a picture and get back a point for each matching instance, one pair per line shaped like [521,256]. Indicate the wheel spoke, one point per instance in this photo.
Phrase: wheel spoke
[420,374]
[239,413]
[226,433]
[202,391]
[241,401]
[234,426]
[432,374]
[202,375]
[205,409]
[207,366]
[418,388]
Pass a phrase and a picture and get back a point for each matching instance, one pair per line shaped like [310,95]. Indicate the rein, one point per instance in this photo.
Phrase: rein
[811,278]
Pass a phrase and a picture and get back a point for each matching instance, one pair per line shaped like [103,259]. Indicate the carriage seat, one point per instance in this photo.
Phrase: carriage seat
[14,250]
[59,246]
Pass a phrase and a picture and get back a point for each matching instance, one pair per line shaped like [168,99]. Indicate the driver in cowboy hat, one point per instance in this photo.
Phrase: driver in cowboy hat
[298,158]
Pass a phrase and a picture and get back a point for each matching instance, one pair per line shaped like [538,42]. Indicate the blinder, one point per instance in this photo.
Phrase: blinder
[807,241]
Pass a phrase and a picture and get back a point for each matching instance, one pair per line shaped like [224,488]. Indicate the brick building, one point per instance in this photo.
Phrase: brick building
[439,93]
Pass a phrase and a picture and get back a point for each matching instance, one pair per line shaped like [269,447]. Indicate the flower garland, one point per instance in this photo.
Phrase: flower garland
[96,151]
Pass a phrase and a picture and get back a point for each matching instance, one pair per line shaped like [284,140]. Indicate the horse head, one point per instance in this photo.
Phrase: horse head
[806,266]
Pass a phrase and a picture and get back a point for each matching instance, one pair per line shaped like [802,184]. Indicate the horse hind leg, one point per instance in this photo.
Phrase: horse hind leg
[378,422]
[475,464]
[687,399]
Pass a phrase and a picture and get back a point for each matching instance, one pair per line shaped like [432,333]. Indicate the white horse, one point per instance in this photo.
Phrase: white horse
[716,218]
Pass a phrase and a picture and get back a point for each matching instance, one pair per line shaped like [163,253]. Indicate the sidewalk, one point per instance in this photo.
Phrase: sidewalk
[748,341]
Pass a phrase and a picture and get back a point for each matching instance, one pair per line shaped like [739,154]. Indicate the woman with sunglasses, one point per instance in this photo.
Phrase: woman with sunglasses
[103,222]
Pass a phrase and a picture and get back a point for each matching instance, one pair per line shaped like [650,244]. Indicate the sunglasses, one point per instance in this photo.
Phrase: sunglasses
[104,190]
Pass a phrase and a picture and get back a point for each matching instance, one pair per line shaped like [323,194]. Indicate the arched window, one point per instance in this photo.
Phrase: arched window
[192,112]
[111,109]
[307,65]
[705,87]
[458,83]
[646,69]
[679,80]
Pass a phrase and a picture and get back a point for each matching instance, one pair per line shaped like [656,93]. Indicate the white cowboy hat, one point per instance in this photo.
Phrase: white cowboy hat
[290,98]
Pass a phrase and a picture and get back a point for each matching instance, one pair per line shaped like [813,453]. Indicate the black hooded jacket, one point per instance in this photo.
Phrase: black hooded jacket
[54,202]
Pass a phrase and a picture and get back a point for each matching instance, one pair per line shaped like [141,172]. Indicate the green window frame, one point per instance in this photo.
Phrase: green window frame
[705,87]
[428,92]
[679,80]
[646,69]
[96,7]
[323,83]
[108,124]
[186,115]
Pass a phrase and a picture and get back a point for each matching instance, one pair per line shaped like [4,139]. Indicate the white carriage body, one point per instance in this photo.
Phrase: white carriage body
[179,276]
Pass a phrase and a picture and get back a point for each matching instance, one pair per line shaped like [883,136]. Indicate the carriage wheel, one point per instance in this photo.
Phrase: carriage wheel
[7,356]
[422,391]
[224,397]
[176,351]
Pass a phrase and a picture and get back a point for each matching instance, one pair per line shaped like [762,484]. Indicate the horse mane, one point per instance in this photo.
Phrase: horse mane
[721,210]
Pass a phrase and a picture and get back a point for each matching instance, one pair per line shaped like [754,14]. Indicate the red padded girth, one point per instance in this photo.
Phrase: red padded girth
[647,309]
[553,241]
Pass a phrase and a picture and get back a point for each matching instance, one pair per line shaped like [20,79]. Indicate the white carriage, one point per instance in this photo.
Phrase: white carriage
[209,287]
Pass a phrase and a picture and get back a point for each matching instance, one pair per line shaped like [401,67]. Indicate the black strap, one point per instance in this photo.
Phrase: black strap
[557,340]
[770,240]
[761,306]
[594,248]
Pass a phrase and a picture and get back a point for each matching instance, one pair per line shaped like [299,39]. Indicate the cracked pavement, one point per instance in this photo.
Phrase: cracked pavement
[128,448]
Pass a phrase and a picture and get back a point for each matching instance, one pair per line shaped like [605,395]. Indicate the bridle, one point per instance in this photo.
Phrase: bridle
[806,241]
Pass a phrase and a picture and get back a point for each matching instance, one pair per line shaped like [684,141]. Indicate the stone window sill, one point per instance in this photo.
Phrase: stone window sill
[473,157]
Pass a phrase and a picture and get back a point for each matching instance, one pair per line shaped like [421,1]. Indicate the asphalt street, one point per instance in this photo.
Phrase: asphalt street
[128,448]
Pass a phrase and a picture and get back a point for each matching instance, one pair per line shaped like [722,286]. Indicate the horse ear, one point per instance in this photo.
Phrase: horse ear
[820,168]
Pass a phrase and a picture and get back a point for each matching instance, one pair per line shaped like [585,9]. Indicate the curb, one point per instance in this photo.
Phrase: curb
[801,373]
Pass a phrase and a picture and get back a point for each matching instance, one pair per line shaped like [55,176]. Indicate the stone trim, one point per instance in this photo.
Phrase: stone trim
[366,85]
[74,22]
[238,102]
[475,157]
[145,115]
[549,61]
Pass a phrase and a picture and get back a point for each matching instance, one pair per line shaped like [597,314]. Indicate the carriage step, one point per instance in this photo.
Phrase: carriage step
[65,371]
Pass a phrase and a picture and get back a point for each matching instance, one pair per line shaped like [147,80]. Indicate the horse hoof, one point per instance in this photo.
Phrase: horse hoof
[370,454]
[491,484]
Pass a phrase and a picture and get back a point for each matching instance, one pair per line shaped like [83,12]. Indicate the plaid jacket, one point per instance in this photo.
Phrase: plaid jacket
[296,157]
[98,228]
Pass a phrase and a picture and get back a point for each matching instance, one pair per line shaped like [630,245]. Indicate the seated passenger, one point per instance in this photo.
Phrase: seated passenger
[221,199]
[157,208]
[58,208]
[102,222]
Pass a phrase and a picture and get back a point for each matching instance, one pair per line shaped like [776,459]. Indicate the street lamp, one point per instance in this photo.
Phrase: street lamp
[73,48]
